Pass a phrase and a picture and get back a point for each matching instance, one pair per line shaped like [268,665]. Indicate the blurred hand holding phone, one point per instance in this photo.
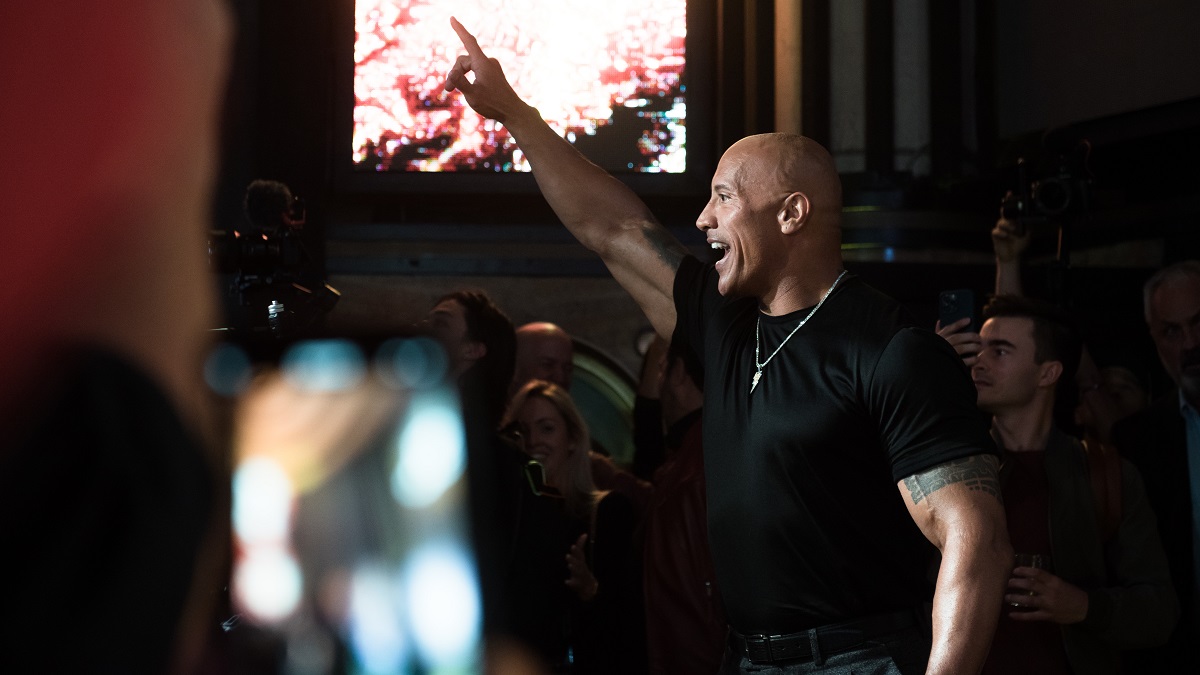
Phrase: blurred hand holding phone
[350,507]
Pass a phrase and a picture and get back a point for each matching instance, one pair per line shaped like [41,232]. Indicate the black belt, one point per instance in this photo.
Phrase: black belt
[831,639]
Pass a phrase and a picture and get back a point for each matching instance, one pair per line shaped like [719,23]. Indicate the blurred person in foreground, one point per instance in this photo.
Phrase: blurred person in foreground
[862,435]
[111,479]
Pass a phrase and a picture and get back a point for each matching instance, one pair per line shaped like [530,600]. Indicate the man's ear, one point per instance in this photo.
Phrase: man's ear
[474,350]
[1049,373]
[794,213]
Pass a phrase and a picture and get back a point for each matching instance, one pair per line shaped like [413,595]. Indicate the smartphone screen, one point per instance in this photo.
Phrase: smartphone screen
[350,508]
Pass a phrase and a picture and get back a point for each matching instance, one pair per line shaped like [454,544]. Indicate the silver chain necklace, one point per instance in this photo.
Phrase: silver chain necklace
[758,333]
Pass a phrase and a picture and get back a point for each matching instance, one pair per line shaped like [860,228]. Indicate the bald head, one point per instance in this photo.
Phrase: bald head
[544,352]
[789,163]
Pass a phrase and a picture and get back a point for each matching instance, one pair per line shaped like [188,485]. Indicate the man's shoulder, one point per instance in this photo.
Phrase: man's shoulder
[869,312]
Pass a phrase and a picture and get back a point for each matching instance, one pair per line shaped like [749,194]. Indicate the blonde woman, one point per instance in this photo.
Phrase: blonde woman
[603,565]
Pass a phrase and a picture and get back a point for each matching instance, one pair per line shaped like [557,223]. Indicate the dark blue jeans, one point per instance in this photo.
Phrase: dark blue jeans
[904,652]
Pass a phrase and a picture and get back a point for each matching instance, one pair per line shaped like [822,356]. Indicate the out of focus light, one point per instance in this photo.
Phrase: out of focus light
[324,365]
[262,501]
[416,363]
[431,450]
[376,634]
[227,370]
[443,601]
[268,583]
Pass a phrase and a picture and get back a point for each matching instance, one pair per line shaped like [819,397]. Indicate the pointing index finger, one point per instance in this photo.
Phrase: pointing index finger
[468,40]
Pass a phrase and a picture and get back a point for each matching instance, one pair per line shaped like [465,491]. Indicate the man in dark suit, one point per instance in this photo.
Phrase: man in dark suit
[1164,442]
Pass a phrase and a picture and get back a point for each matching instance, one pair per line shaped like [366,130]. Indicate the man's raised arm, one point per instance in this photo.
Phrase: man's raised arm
[601,211]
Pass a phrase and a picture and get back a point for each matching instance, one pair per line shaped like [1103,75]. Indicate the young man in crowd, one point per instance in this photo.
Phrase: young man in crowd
[1106,585]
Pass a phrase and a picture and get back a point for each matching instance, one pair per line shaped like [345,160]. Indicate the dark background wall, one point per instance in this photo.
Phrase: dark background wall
[1000,81]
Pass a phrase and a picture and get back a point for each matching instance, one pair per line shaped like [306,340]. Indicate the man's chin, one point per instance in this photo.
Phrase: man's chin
[729,289]
[1189,383]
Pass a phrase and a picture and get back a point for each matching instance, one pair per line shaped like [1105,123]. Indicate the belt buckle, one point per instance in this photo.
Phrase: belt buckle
[758,648]
[771,648]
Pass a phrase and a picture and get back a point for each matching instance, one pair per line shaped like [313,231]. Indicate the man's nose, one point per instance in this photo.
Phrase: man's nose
[1191,337]
[704,221]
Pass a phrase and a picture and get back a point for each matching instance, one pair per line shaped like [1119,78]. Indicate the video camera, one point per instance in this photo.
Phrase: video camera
[276,285]
[1060,188]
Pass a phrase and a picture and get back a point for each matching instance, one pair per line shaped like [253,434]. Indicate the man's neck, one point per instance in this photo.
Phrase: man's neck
[1024,429]
[794,293]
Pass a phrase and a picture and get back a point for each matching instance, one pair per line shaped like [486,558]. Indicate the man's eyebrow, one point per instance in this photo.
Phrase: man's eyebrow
[1186,322]
[722,186]
[998,342]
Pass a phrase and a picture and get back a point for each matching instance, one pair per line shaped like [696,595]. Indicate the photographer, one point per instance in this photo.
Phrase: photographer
[277,285]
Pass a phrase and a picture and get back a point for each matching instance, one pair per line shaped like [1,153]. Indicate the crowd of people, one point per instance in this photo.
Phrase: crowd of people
[821,485]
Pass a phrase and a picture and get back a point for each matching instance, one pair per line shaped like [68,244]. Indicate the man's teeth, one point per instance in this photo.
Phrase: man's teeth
[719,247]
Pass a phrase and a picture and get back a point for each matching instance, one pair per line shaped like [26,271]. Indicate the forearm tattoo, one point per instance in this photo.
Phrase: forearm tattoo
[977,473]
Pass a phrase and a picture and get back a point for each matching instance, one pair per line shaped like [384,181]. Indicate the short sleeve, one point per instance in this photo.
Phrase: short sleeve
[924,401]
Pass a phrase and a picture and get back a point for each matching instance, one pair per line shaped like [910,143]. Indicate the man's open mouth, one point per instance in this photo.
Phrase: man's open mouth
[718,246]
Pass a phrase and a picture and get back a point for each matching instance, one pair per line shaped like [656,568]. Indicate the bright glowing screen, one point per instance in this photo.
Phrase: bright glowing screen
[605,74]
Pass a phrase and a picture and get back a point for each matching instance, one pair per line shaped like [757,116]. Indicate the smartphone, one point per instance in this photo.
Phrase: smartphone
[957,304]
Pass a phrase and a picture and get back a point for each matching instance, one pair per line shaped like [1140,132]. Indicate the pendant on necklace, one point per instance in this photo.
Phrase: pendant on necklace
[754,382]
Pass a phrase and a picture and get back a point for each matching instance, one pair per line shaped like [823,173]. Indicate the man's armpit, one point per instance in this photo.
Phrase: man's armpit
[977,473]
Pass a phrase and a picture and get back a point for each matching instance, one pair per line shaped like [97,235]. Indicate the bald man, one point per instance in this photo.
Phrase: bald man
[836,433]
[544,352]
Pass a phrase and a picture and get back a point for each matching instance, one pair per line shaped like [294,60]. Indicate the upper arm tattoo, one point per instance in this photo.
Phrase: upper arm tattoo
[977,473]
[665,246]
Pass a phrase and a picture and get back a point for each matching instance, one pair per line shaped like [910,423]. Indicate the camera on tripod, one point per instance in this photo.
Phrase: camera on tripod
[276,285]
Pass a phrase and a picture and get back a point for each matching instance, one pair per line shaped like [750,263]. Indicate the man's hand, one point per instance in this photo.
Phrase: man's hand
[490,94]
[1052,598]
[1009,241]
[966,344]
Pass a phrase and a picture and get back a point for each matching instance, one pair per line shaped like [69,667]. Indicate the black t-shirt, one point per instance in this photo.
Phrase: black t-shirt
[806,523]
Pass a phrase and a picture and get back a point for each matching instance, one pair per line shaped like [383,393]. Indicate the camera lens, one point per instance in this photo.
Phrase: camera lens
[1053,195]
